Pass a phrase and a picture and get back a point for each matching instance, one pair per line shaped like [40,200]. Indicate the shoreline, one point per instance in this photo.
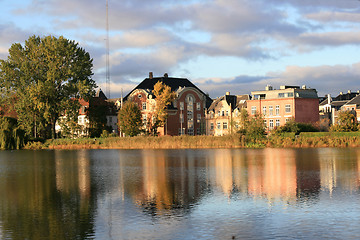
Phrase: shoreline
[203,142]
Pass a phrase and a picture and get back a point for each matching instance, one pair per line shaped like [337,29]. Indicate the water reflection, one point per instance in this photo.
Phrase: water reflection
[84,194]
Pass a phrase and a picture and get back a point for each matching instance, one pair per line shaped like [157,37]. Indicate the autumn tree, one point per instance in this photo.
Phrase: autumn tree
[346,122]
[130,121]
[42,77]
[163,97]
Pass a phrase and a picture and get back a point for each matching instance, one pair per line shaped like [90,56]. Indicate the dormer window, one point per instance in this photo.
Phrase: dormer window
[139,96]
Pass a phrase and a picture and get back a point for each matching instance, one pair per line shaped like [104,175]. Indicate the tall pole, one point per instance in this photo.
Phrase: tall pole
[107,52]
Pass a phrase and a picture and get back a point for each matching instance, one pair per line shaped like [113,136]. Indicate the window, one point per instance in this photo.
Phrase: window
[110,119]
[219,113]
[211,126]
[198,118]
[222,113]
[225,125]
[181,132]
[227,113]
[290,94]
[271,124]
[144,106]
[198,131]
[198,106]
[277,123]
[211,115]
[191,131]
[139,96]
[264,110]
[271,111]
[218,125]
[265,123]
[253,110]
[287,108]
[281,95]
[277,110]
[181,105]
[287,120]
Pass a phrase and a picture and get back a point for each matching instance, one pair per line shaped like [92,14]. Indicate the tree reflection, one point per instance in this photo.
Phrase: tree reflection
[34,207]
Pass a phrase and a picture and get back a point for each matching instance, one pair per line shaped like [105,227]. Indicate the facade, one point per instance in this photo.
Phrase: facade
[98,102]
[186,114]
[281,105]
[330,107]
[223,116]
[353,106]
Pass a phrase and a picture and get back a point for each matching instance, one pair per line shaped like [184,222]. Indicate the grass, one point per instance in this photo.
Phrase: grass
[186,142]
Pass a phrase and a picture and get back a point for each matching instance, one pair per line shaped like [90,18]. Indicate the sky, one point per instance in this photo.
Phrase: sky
[235,46]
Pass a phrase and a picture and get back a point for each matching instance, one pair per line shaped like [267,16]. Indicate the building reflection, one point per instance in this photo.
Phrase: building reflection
[340,168]
[273,175]
[165,184]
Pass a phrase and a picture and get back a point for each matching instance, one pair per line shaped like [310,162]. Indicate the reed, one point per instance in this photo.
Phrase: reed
[184,142]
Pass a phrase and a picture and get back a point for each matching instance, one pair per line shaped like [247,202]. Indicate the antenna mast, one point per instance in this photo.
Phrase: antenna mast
[107,52]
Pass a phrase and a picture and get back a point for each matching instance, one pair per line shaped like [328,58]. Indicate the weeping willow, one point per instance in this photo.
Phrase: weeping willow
[11,135]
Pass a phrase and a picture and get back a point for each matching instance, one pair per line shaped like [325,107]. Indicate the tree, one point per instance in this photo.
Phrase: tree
[43,77]
[163,97]
[252,127]
[346,122]
[130,121]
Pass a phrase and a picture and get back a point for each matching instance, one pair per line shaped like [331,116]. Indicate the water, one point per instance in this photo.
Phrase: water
[180,194]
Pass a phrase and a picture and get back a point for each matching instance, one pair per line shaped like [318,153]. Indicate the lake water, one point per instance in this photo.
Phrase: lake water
[180,194]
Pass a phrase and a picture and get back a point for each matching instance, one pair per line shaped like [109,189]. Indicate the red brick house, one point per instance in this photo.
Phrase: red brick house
[281,105]
[186,114]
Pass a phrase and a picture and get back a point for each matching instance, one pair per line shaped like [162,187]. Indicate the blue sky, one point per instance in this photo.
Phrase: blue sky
[220,45]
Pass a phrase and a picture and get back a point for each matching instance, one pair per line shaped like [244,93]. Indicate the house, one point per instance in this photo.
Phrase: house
[354,106]
[96,113]
[186,114]
[279,106]
[223,116]
[330,107]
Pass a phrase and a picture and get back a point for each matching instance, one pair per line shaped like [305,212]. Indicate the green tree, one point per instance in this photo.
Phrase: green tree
[11,135]
[295,127]
[163,97]
[252,126]
[42,77]
[130,121]
[346,122]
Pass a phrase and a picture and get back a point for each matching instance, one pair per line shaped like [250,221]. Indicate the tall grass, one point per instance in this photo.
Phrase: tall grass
[147,142]
[182,142]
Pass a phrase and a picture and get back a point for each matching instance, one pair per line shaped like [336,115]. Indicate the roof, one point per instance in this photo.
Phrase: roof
[355,100]
[173,83]
[100,94]
[235,101]
[347,96]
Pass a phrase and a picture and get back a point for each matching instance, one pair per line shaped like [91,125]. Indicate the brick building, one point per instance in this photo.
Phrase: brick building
[281,105]
[186,114]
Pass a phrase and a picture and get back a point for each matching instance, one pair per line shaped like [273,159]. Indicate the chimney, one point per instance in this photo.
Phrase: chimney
[329,98]
[341,93]
[349,91]
[268,88]
[166,75]
[227,93]
[150,75]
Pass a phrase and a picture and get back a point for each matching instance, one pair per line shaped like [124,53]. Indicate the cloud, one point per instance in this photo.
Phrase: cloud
[325,79]
[328,16]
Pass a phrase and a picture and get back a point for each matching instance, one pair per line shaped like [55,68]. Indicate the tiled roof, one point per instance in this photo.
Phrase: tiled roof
[234,100]
[173,83]
[355,100]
